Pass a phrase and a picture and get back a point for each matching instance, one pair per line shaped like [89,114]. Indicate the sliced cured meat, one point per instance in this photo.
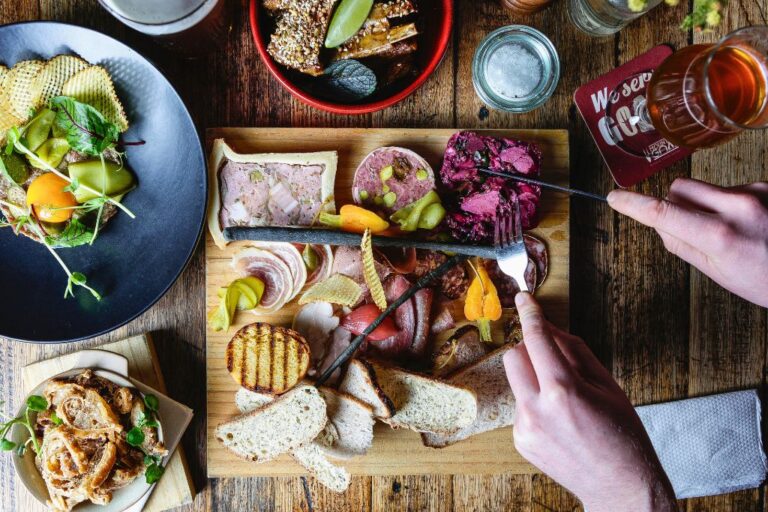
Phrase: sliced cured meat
[477,197]
[361,318]
[422,303]
[272,270]
[408,176]
[349,262]
[291,257]
[462,349]
[325,262]
[340,340]
[506,286]
[537,251]
[316,321]
[400,259]
[443,321]
[454,282]
[405,319]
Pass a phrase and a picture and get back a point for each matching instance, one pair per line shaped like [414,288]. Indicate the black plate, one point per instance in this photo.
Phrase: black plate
[134,262]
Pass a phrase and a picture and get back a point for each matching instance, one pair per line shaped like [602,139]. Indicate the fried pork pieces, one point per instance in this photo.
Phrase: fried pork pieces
[86,456]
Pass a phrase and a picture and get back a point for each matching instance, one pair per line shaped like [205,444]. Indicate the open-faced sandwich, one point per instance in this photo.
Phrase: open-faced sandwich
[90,438]
[62,174]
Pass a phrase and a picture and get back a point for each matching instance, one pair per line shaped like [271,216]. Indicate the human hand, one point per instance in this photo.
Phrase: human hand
[721,231]
[575,423]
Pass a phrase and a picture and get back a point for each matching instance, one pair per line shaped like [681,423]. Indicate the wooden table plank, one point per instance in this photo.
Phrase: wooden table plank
[726,345]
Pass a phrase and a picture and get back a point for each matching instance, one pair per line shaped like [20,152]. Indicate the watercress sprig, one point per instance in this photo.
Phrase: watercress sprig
[135,437]
[34,403]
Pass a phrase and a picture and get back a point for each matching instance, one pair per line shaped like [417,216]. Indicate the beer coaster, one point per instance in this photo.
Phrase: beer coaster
[612,107]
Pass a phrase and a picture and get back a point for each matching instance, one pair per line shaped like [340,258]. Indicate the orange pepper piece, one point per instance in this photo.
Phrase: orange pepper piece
[482,304]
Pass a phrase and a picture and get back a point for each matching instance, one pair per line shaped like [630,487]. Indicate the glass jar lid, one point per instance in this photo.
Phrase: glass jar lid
[515,69]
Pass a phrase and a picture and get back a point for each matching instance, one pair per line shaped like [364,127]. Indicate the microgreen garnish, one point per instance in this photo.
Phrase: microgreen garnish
[34,403]
[135,437]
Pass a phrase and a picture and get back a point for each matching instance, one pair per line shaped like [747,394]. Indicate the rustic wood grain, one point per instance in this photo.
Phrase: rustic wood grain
[726,338]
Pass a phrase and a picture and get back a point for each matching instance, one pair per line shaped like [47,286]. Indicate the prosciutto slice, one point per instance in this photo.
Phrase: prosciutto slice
[325,263]
[292,258]
[405,319]
[277,277]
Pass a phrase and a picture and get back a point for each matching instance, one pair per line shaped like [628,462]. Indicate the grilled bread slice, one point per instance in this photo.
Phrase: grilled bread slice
[283,425]
[421,403]
[269,359]
[495,401]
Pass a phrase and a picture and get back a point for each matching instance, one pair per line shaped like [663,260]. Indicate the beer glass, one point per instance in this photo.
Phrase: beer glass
[705,94]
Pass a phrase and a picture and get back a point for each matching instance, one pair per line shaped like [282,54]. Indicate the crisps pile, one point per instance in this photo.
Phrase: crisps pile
[30,84]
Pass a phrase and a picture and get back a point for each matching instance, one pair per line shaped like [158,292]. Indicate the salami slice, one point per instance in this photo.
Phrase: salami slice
[277,277]
[507,286]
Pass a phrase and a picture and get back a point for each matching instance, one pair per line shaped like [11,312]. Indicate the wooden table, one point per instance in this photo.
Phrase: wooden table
[663,329]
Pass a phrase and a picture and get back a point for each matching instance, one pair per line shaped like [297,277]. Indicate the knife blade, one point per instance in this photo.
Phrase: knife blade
[335,237]
[544,184]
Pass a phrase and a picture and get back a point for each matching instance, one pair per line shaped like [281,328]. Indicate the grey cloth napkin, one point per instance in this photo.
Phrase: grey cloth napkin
[708,445]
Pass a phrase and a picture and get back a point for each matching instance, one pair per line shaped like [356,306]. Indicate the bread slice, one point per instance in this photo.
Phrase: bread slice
[410,400]
[495,401]
[348,432]
[360,382]
[353,425]
[290,421]
[312,456]
[265,358]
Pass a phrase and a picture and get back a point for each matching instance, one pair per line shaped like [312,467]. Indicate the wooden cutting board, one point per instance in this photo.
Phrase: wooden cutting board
[175,488]
[394,452]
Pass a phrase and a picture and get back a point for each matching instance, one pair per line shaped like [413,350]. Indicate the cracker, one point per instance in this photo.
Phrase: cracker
[94,86]
[7,120]
[50,81]
[16,97]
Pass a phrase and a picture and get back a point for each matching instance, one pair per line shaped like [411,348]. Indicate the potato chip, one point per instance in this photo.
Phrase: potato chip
[94,86]
[369,272]
[50,81]
[15,96]
[7,120]
[337,289]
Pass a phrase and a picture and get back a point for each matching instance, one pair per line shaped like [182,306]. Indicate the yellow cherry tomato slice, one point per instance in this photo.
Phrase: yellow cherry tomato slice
[46,195]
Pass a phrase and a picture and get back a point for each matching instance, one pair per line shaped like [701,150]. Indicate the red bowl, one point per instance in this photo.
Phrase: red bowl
[433,44]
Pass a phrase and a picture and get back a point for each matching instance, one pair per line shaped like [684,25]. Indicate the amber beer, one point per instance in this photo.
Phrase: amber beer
[704,95]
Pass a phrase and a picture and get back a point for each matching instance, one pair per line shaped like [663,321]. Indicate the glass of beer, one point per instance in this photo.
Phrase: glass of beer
[192,27]
[706,94]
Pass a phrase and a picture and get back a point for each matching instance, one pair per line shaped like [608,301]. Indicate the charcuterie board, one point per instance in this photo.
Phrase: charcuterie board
[394,452]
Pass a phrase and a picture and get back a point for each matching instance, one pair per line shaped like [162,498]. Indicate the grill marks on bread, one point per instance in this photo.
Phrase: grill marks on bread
[264,358]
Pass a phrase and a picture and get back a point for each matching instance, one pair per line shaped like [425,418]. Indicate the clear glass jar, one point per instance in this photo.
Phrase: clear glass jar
[603,18]
[515,69]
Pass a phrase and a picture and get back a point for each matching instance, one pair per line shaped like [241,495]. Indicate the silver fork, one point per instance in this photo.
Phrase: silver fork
[510,247]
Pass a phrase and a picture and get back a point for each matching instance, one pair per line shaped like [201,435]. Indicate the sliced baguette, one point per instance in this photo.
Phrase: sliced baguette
[290,421]
[360,382]
[495,401]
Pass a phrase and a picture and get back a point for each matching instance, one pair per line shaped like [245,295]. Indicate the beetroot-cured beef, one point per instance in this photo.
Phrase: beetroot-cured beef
[479,197]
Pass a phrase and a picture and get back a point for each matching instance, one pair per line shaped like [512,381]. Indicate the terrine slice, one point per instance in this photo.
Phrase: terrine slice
[267,189]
